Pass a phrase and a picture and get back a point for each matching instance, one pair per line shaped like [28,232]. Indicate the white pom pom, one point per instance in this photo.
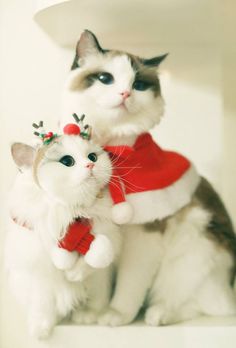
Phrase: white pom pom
[63,259]
[100,253]
[122,213]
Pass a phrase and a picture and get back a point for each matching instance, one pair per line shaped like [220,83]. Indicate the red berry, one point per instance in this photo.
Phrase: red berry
[71,128]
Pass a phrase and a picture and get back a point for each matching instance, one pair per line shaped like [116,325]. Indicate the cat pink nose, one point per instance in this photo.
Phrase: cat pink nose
[125,94]
[90,165]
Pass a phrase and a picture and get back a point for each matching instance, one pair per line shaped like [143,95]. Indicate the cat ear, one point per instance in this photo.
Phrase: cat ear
[23,155]
[154,62]
[87,45]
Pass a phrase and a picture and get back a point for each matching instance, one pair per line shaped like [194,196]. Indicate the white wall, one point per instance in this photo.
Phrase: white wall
[32,71]
[229,105]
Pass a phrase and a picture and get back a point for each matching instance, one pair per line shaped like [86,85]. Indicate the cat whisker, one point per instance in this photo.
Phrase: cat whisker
[130,185]
[128,172]
[117,159]
[116,184]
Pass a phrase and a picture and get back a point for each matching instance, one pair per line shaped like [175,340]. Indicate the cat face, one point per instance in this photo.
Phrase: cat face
[71,169]
[118,92]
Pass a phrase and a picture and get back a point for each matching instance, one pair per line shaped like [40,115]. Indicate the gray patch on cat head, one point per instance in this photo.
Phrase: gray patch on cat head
[141,72]
[145,69]
[146,73]
[84,80]
[155,61]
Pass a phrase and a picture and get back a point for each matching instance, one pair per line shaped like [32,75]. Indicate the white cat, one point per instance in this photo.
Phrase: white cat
[182,264]
[58,182]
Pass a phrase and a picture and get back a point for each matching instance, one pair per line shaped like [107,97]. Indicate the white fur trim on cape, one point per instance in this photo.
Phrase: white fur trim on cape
[158,204]
[122,213]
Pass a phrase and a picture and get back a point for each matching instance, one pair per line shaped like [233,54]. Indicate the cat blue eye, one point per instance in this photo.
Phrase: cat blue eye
[141,85]
[105,78]
[67,161]
[92,157]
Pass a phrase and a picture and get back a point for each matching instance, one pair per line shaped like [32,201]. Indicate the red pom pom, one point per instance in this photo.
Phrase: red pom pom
[71,128]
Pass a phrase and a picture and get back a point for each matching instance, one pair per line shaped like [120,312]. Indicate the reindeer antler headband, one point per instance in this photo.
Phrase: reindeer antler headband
[79,128]
[45,137]
[48,138]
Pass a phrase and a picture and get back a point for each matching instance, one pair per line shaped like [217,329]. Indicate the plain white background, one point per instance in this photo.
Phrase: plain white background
[198,82]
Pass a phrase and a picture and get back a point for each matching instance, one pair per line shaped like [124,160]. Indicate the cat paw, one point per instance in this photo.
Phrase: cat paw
[41,330]
[112,317]
[85,317]
[154,316]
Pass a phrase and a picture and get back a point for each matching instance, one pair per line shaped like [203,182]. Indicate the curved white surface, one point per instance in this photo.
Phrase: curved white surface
[40,5]
[124,22]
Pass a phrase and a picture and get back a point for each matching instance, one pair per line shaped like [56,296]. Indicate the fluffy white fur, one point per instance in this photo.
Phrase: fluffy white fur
[177,274]
[48,293]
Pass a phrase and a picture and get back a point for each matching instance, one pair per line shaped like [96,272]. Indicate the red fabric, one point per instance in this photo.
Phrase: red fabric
[145,167]
[78,237]
[116,187]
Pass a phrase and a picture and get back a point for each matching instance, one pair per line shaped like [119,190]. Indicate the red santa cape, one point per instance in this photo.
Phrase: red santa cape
[154,182]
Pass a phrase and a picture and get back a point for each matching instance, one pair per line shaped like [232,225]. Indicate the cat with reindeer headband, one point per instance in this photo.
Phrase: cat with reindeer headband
[61,243]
